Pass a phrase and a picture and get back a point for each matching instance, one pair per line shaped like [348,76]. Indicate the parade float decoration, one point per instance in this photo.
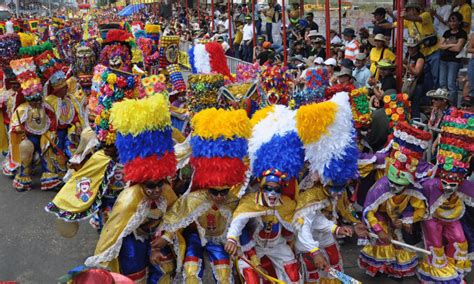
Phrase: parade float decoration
[203,91]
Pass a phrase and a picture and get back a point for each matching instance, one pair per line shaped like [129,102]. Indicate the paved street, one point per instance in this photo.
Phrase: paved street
[32,252]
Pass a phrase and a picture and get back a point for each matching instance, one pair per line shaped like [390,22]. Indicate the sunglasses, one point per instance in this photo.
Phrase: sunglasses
[450,184]
[271,188]
[154,185]
[217,192]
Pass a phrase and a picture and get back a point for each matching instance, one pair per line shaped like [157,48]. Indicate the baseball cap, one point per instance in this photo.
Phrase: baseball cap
[379,11]
[318,60]
[330,61]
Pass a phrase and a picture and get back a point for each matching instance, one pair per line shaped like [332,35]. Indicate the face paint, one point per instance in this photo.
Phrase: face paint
[271,195]
[449,187]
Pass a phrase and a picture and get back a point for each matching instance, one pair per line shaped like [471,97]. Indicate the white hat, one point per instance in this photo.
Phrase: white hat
[312,33]
[330,61]
[318,60]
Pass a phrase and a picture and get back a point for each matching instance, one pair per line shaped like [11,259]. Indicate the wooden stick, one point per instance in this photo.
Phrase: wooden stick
[261,273]
[405,245]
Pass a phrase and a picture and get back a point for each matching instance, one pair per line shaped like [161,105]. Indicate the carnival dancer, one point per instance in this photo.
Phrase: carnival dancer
[276,158]
[447,195]
[395,205]
[32,130]
[69,109]
[9,47]
[325,198]
[124,244]
[219,145]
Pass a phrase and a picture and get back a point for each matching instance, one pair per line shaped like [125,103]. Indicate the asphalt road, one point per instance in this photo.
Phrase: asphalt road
[32,252]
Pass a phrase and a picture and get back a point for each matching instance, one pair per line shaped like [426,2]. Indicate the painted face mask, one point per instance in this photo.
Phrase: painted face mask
[271,195]
[449,187]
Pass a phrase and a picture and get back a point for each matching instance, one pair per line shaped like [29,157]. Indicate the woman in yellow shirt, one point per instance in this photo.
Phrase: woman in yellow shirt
[466,11]
[379,52]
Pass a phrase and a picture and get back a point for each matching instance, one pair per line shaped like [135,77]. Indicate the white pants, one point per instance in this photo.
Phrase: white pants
[280,255]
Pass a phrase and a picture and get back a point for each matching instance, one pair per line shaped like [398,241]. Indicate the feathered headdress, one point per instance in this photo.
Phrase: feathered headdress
[275,143]
[144,138]
[30,83]
[153,31]
[327,132]
[209,58]
[456,145]
[408,146]
[51,69]
[219,145]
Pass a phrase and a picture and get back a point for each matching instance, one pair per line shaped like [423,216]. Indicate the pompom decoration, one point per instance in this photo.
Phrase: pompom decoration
[408,146]
[275,82]
[327,132]
[317,80]
[203,91]
[219,145]
[144,138]
[456,146]
[176,78]
[247,73]
[359,99]
[9,47]
[113,88]
[397,108]
[152,85]
[30,83]
[274,143]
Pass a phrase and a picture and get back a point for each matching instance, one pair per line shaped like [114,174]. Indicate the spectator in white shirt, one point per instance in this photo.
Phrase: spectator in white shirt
[441,16]
[335,39]
[247,39]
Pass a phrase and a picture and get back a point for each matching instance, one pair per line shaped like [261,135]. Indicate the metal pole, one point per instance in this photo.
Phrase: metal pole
[399,49]
[212,15]
[328,29]
[339,4]
[301,8]
[283,18]
[186,13]
[199,11]
[229,20]
[17,8]
[254,28]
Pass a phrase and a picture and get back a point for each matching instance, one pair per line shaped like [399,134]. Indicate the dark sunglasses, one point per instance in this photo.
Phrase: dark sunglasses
[154,185]
[217,192]
[271,188]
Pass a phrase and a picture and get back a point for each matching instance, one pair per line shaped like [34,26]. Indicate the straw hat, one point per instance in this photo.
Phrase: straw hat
[344,72]
[440,93]
[378,37]
[385,64]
